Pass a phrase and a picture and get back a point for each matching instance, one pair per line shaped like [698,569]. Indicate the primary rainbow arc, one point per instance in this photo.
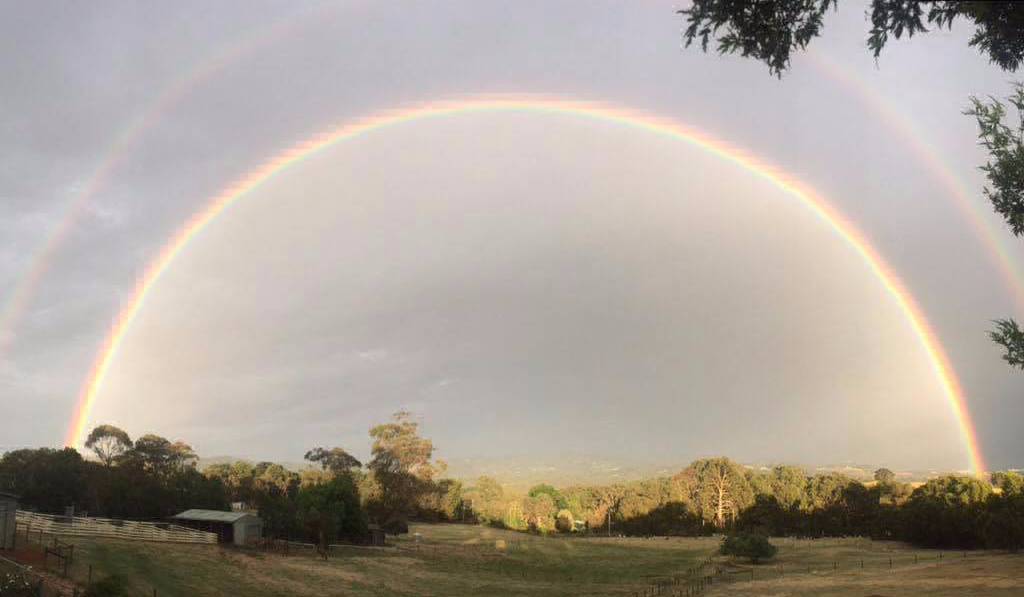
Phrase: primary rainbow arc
[145,284]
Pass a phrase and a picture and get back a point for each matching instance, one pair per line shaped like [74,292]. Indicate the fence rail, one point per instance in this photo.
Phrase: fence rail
[31,522]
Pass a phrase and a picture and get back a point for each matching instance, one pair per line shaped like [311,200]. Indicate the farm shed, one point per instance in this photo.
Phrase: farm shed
[231,527]
[8,511]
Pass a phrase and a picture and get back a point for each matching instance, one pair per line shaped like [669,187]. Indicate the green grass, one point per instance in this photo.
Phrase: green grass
[449,560]
[454,560]
[833,567]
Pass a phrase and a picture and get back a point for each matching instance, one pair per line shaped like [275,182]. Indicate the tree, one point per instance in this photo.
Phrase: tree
[108,442]
[487,499]
[948,511]
[556,497]
[331,510]
[539,512]
[885,476]
[748,545]
[718,487]
[401,469]
[159,455]
[770,31]
[1005,174]
[788,486]
[336,459]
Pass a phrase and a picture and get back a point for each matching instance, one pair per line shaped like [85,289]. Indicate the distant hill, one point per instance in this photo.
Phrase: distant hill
[524,471]
[204,463]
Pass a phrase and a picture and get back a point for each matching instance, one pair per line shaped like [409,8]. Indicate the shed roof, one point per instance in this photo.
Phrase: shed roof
[213,515]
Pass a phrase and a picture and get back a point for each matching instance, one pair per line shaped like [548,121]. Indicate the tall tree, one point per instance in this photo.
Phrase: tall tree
[108,442]
[718,487]
[401,467]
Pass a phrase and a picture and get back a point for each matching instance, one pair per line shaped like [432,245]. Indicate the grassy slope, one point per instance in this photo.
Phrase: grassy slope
[464,560]
[451,560]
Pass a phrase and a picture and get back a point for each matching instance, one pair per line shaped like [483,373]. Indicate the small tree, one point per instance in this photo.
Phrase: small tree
[885,476]
[748,545]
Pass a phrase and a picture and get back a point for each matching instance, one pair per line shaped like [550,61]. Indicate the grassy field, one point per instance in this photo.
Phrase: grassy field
[454,560]
[833,568]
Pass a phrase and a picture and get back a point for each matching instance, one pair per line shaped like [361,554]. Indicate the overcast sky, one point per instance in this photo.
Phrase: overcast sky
[525,283]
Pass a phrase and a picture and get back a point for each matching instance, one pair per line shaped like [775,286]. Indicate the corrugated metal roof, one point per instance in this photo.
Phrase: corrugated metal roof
[212,515]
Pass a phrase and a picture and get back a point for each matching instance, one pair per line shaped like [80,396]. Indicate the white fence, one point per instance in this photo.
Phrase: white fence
[30,522]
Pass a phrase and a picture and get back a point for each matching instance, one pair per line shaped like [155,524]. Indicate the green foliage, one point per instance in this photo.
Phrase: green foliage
[885,476]
[401,468]
[718,487]
[108,442]
[335,459]
[111,586]
[768,31]
[331,511]
[1005,168]
[748,545]
[556,496]
[949,511]
[998,25]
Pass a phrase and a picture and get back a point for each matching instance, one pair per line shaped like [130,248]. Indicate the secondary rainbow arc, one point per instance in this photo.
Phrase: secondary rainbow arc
[199,221]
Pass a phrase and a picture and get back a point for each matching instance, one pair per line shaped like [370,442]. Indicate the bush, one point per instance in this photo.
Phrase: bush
[565,520]
[111,586]
[748,545]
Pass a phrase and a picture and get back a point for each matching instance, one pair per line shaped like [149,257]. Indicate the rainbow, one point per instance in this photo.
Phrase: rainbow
[217,205]
[978,213]
[13,307]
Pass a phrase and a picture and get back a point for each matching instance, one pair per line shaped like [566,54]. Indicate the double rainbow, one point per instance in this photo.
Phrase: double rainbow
[846,231]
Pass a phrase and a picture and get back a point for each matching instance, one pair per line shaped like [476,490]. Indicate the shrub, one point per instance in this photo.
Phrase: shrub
[111,586]
[748,545]
[564,521]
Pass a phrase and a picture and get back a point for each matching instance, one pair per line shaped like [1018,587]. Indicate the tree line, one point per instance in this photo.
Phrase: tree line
[152,478]
[337,498]
[716,495]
